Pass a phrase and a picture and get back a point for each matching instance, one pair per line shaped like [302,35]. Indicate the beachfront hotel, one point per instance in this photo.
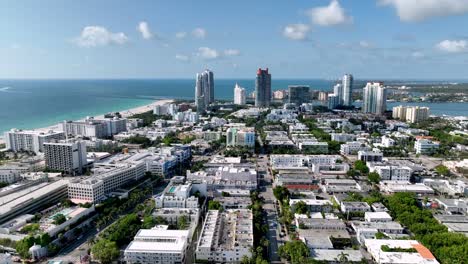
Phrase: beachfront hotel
[30,140]
[95,128]
[67,156]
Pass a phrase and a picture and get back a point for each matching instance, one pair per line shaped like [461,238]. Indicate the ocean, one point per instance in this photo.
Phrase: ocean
[29,104]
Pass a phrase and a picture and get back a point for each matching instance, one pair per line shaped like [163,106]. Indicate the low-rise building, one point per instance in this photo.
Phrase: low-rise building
[352,148]
[244,137]
[176,196]
[401,186]
[377,217]
[226,237]
[425,146]
[380,256]
[105,179]
[340,186]
[158,246]
[370,156]
[313,205]
[353,207]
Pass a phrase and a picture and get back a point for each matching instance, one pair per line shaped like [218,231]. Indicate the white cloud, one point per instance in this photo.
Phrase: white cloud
[453,46]
[296,31]
[418,10]
[94,36]
[364,44]
[417,54]
[182,57]
[181,35]
[144,29]
[330,15]
[199,33]
[232,52]
[208,53]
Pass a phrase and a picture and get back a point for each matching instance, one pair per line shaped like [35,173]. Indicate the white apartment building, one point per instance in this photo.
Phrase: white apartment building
[239,95]
[425,146]
[30,140]
[313,147]
[421,256]
[351,207]
[391,172]
[67,156]
[352,148]
[94,128]
[294,161]
[242,137]
[366,230]
[412,114]
[343,137]
[387,142]
[370,156]
[158,246]
[105,179]
[226,237]
[226,177]
[176,196]
[377,217]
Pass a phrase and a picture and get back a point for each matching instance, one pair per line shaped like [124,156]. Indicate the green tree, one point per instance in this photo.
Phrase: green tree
[182,223]
[301,207]
[280,193]
[22,246]
[361,166]
[295,251]
[59,219]
[214,205]
[374,177]
[105,251]
[442,170]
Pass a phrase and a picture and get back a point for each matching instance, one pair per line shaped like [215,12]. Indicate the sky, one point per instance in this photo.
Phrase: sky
[381,39]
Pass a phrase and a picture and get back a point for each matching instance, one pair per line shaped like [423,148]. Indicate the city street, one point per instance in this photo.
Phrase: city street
[266,192]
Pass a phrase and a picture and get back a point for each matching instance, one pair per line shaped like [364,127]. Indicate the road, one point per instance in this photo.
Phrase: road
[75,251]
[266,192]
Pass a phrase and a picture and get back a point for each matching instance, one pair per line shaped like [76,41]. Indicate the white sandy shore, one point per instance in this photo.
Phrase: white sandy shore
[124,113]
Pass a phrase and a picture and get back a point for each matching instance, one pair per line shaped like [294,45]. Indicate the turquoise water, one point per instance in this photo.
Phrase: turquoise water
[38,103]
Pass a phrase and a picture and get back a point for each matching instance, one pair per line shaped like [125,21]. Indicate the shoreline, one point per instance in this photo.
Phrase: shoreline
[125,113]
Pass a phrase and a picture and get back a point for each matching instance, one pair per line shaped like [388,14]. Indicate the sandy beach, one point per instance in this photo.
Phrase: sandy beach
[124,113]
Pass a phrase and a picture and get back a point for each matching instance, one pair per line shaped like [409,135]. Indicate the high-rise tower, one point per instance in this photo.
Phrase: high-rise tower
[263,88]
[204,90]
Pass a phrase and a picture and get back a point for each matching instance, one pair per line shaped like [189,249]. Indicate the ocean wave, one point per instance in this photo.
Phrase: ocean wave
[5,89]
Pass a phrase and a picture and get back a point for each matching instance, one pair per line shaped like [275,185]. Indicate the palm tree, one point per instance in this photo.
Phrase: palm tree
[342,258]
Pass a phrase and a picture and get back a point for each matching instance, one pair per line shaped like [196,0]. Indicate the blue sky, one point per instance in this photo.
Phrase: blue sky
[176,39]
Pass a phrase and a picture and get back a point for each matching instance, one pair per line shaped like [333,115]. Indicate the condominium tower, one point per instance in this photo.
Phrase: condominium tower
[412,114]
[374,98]
[67,156]
[263,88]
[298,94]
[347,84]
[239,95]
[204,90]
[30,140]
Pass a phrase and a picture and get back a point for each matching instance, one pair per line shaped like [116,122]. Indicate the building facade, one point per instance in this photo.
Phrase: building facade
[66,156]
[374,98]
[347,84]
[21,140]
[239,95]
[298,94]
[204,90]
[263,88]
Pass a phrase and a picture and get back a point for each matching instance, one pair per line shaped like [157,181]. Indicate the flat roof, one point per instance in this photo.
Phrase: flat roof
[9,202]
